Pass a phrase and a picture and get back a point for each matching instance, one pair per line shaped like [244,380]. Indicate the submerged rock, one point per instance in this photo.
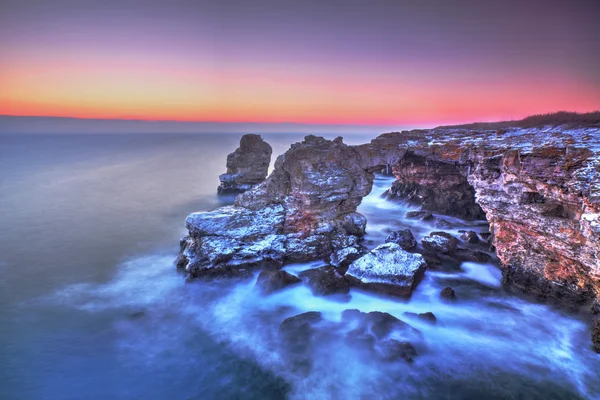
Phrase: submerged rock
[427,316]
[271,281]
[448,293]
[247,166]
[388,269]
[394,350]
[325,281]
[404,238]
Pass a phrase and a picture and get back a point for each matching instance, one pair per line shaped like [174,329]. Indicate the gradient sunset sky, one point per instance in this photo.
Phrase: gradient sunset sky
[377,62]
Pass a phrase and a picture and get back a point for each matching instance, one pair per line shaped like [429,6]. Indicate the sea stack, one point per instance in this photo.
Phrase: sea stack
[247,166]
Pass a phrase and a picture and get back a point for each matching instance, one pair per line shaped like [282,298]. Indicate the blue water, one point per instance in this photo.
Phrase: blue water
[91,306]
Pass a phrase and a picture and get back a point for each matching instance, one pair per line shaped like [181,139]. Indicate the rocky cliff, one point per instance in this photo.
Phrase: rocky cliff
[538,187]
[247,166]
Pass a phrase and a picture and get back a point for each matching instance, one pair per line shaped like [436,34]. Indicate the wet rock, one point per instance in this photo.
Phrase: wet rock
[382,324]
[427,316]
[442,223]
[388,269]
[271,281]
[342,259]
[297,337]
[360,339]
[596,334]
[543,289]
[325,281]
[404,238]
[471,255]
[440,242]
[469,237]
[247,166]
[393,350]
[421,215]
[181,262]
[448,293]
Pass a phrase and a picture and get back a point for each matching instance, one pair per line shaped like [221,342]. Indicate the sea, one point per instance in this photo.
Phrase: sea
[92,307]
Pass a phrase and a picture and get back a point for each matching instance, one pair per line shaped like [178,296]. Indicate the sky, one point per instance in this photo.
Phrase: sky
[344,62]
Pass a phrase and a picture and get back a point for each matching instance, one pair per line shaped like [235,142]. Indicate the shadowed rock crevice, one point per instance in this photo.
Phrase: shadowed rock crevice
[436,186]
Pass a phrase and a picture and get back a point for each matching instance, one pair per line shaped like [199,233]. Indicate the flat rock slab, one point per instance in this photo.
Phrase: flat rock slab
[388,269]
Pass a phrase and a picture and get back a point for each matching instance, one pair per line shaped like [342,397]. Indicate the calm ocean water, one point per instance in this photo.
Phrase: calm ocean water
[91,306]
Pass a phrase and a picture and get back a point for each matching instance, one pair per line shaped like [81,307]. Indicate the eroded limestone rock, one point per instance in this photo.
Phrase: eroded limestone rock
[247,166]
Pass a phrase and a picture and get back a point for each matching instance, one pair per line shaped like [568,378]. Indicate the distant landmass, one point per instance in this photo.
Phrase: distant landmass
[563,118]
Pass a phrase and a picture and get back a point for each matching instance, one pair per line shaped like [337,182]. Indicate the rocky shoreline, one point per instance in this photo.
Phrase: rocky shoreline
[538,188]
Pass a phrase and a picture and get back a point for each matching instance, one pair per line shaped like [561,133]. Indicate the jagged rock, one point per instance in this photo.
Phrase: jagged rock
[181,262]
[404,238]
[448,293]
[388,269]
[469,237]
[440,242]
[271,281]
[305,210]
[247,166]
[343,258]
[325,281]
[427,317]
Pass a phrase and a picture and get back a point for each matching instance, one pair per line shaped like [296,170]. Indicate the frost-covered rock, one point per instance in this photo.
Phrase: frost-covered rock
[247,166]
[388,269]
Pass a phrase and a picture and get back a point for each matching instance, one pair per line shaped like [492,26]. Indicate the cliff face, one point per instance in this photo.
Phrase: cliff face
[540,191]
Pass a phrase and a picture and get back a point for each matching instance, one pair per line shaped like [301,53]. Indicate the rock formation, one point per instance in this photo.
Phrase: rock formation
[247,166]
[305,210]
[539,189]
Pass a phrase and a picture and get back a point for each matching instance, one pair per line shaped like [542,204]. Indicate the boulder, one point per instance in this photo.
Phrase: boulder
[247,166]
[404,238]
[388,269]
[325,281]
[440,242]
[272,281]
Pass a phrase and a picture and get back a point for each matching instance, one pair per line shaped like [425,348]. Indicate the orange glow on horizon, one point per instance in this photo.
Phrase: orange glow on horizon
[273,94]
